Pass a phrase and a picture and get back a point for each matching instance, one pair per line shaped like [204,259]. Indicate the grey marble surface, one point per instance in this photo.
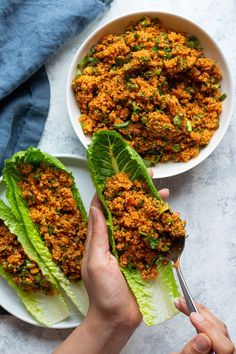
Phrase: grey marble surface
[206,196]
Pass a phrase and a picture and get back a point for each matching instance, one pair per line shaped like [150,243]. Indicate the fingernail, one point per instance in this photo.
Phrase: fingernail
[94,213]
[197,317]
[176,302]
[201,343]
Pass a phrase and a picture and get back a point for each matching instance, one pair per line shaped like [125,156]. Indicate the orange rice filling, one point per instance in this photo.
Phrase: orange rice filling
[48,195]
[25,272]
[144,227]
[155,87]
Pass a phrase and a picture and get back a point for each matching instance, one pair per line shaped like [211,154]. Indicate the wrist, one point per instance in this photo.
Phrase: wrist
[113,322]
[110,333]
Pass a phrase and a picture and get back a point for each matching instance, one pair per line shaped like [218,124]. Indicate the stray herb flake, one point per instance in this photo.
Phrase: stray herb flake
[223,97]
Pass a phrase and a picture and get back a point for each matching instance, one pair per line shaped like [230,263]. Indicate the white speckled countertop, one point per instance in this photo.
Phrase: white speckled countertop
[206,196]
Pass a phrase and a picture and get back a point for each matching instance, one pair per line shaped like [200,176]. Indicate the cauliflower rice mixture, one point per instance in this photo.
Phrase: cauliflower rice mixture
[155,87]
[48,195]
[144,227]
[25,272]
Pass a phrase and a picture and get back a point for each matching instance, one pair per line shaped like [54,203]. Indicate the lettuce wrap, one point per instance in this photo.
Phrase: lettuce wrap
[35,158]
[47,309]
[109,155]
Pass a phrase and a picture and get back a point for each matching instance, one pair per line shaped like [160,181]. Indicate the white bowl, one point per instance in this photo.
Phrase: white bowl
[179,24]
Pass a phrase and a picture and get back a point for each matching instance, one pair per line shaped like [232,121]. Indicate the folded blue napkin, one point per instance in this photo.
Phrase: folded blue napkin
[31,31]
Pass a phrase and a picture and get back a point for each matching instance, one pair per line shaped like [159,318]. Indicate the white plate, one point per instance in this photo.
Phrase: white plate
[176,23]
[8,298]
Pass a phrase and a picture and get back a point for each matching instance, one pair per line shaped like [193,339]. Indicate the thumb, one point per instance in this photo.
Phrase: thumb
[99,243]
[198,344]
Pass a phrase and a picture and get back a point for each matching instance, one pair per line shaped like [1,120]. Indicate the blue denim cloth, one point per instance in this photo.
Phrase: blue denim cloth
[31,31]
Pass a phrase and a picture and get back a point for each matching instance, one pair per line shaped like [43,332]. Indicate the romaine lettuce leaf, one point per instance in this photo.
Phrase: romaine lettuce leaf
[107,155]
[21,212]
[46,309]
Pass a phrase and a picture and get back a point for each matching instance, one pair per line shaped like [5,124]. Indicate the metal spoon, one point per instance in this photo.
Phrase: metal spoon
[173,255]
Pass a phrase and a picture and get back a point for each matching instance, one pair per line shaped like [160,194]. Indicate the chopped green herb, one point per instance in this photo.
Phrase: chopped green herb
[50,230]
[189,89]
[192,42]
[223,97]
[199,115]
[155,49]
[153,242]
[144,23]
[142,233]
[116,227]
[79,72]
[120,62]
[189,126]
[178,120]
[131,85]
[165,248]
[135,48]
[167,56]
[176,147]
[37,176]
[157,71]
[122,125]
[136,108]
[93,60]
[83,62]
[136,35]
[169,221]
[144,59]
[215,86]
[92,50]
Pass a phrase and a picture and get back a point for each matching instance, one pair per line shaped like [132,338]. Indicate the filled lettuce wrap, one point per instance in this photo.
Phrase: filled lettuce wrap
[22,268]
[44,198]
[141,225]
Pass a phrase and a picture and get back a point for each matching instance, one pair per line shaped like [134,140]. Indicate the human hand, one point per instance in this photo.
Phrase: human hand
[213,334]
[110,299]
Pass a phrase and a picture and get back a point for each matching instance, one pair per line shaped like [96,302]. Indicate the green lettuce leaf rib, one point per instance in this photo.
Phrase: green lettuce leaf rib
[48,310]
[107,155]
[34,156]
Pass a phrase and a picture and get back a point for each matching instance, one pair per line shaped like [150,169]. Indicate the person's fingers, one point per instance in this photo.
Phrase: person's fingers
[95,201]
[99,243]
[164,193]
[87,242]
[182,306]
[220,343]
[198,344]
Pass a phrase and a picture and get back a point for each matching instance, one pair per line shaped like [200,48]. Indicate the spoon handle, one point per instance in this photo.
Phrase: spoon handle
[187,295]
